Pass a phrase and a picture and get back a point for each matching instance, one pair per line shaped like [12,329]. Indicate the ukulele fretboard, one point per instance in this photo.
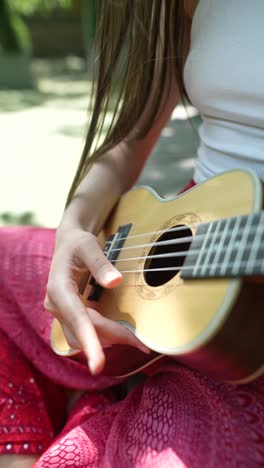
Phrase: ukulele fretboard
[229,247]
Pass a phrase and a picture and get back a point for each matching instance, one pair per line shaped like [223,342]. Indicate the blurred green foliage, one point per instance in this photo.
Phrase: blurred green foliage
[23,219]
[30,7]
[14,35]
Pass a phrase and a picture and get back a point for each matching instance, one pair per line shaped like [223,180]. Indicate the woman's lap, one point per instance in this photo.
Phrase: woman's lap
[31,406]
[175,418]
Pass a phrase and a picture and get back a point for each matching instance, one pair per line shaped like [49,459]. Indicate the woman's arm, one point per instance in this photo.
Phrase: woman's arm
[77,249]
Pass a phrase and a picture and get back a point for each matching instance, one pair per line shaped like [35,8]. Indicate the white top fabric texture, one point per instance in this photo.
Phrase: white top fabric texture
[224,78]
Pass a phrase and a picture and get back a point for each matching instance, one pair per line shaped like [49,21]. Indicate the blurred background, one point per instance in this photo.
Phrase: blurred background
[45,80]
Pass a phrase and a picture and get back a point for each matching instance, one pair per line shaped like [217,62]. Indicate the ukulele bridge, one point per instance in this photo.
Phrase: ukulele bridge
[112,249]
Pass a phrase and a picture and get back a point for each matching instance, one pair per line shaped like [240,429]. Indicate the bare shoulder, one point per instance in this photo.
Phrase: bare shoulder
[190,7]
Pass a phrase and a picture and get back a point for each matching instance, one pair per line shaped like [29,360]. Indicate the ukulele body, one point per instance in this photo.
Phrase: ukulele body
[213,325]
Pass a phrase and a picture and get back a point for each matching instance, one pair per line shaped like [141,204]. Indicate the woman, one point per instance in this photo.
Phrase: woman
[176,417]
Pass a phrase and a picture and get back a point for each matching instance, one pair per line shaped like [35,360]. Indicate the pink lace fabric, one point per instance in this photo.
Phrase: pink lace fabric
[26,254]
[176,418]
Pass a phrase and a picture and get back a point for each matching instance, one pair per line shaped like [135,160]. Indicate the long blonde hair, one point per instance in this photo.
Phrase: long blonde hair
[128,37]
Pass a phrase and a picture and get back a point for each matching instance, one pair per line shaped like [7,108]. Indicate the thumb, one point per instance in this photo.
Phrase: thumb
[99,266]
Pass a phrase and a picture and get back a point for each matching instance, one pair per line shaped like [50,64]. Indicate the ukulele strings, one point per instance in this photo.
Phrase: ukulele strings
[162,231]
[183,253]
[184,240]
[235,264]
[204,266]
[194,225]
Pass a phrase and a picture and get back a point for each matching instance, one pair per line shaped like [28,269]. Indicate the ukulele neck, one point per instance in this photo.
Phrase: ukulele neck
[230,247]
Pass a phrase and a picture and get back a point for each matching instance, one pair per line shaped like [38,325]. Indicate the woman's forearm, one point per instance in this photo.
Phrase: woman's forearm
[107,180]
[109,177]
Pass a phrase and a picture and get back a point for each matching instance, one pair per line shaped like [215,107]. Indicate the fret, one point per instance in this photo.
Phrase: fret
[220,250]
[224,266]
[229,247]
[235,246]
[204,243]
[239,246]
[250,249]
[208,260]
[260,247]
[195,252]
[256,245]
[215,247]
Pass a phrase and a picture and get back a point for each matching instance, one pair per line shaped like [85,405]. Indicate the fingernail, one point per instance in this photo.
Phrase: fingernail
[110,275]
[95,366]
[92,366]
[144,349]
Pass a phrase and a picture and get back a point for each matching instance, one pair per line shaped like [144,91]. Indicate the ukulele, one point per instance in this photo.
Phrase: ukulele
[192,284]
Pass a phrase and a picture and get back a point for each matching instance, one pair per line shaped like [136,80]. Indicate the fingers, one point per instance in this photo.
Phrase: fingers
[95,260]
[84,328]
[72,313]
[112,332]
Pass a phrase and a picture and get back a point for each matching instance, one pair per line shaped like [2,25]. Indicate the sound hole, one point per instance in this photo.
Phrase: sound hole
[157,278]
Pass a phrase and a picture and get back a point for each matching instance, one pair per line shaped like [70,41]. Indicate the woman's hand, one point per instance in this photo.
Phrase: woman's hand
[76,252]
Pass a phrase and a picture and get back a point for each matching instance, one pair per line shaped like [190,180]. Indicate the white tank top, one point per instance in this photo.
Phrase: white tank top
[224,78]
